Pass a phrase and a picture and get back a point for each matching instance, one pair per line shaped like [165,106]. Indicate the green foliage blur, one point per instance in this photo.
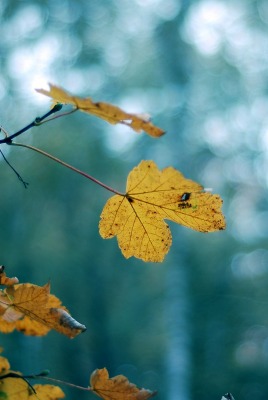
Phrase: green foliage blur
[196,326]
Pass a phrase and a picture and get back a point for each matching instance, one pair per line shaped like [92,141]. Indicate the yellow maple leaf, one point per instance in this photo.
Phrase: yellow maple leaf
[106,111]
[137,217]
[29,327]
[34,311]
[116,388]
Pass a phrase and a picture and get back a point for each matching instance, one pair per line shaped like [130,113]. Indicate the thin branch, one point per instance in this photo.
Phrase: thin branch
[88,389]
[12,374]
[43,375]
[64,114]
[25,184]
[36,122]
[44,153]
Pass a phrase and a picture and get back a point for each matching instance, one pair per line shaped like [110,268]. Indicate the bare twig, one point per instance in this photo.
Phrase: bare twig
[25,184]
[36,122]
[44,153]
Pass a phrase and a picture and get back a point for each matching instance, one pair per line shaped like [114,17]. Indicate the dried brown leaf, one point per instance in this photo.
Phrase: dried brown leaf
[106,111]
[34,311]
[116,388]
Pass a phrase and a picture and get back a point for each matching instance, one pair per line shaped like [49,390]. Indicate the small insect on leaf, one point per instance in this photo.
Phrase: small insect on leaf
[152,196]
[116,388]
[105,111]
[186,196]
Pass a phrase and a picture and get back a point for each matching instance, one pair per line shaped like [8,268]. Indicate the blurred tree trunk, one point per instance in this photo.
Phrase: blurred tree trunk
[175,70]
[178,364]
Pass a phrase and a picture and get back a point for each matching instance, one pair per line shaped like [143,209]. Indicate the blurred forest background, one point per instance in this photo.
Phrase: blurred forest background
[196,326]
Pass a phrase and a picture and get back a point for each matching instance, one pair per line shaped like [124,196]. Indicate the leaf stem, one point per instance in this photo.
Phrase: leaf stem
[36,122]
[44,153]
[88,389]
[61,115]
[12,374]
[25,184]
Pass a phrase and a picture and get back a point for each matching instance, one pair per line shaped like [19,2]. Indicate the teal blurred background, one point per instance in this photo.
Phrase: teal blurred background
[195,326]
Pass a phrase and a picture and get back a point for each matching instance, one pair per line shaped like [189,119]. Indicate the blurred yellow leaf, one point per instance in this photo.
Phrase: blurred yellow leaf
[46,392]
[106,111]
[4,280]
[34,311]
[4,365]
[12,388]
[116,388]
[137,217]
